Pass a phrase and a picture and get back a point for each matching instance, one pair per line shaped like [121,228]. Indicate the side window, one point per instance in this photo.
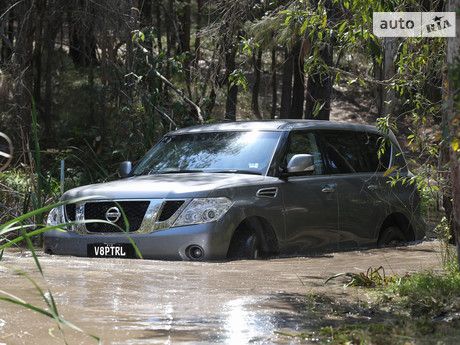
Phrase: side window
[343,152]
[305,143]
[378,152]
[355,152]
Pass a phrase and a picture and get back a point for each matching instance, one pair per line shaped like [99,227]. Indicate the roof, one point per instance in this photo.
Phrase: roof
[275,125]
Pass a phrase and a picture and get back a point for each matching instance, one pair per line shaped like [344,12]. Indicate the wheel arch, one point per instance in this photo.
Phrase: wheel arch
[264,232]
[399,220]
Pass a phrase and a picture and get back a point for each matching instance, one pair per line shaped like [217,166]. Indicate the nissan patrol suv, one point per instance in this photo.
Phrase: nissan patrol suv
[244,190]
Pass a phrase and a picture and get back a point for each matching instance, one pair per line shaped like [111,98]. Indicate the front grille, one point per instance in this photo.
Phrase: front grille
[134,211]
[70,210]
[169,208]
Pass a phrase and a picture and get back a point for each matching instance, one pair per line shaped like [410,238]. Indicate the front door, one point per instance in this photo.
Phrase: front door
[310,201]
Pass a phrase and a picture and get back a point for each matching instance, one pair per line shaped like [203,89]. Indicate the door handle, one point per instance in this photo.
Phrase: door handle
[374,187]
[329,188]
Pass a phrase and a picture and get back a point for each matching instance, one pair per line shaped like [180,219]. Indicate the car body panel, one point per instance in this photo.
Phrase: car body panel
[311,214]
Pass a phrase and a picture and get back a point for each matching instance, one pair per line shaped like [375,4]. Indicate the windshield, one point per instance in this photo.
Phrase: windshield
[234,152]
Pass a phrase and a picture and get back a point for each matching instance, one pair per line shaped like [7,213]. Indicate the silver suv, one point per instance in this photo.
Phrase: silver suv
[244,190]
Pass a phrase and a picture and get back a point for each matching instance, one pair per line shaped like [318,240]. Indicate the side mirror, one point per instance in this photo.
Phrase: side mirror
[124,169]
[301,163]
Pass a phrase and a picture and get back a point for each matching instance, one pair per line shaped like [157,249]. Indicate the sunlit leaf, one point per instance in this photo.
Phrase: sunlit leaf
[342,27]
[304,26]
[389,171]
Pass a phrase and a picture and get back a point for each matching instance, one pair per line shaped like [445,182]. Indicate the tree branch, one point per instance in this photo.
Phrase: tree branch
[369,80]
[171,85]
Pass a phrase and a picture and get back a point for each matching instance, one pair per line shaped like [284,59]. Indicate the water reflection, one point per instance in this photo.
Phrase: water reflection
[239,324]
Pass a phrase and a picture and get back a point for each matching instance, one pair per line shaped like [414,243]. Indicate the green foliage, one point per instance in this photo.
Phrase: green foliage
[371,278]
[14,186]
[403,331]
[443,231]
[452,137]
[237,78]
[430,294]
[421,308]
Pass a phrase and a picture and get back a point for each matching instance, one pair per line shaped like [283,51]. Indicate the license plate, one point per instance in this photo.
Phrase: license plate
[110,250]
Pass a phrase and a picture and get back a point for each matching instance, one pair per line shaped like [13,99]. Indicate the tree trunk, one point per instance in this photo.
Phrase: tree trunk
[453,116]
[287,86]
[299,85]
[37,55]
[172,28]
[146,14]
[158,24]
[184,27]
[319,85]
[22,62]
[50,38]
[7,38]
[232,91]
[199,14]
[319,88]
[82,40]
[274,85]
[184,39]
[257,61]
[387,95]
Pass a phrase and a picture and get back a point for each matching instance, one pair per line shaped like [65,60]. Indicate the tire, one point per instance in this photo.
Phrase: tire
[244,246]
[391,236]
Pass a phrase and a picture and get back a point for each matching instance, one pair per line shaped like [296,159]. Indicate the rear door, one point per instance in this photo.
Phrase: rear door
[310,201]
[354,159]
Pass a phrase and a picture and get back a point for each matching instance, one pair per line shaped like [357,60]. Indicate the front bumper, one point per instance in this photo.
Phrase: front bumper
[170,244]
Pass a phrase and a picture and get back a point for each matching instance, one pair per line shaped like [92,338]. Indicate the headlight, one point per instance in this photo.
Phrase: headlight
[56,216]
[201,211]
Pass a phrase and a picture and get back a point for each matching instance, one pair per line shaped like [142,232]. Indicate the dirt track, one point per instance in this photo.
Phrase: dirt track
[159,302]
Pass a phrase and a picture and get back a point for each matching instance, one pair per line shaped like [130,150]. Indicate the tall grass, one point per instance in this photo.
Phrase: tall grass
[17,226]
[30,225]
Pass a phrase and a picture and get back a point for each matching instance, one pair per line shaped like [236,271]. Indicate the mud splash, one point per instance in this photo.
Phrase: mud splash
[160,302]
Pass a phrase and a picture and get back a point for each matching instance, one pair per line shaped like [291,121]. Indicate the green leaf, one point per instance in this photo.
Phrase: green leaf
[389,171]
[342,27]
[324,23]
[304,26]
[337,78]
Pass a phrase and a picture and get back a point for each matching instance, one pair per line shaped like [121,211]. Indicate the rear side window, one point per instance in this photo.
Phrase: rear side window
[377,150]
[355,152]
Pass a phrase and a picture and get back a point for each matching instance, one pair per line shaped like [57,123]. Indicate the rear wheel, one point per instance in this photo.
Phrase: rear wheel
[391,235]
[244,246]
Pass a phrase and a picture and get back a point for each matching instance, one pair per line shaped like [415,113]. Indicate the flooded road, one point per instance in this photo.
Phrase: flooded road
[161,302]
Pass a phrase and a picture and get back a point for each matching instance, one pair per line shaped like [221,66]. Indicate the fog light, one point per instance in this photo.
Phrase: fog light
[194,252]
[48,251]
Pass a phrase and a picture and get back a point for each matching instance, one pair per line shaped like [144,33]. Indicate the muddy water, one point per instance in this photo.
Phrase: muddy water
[159,302]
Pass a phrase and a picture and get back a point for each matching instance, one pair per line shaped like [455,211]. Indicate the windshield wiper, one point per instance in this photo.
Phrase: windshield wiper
[181,171]
[238,171]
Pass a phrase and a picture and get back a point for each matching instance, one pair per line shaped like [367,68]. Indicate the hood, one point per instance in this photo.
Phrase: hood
[167,186]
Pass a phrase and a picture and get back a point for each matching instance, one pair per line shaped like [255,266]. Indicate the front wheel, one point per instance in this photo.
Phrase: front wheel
[244,246]
[391,235]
